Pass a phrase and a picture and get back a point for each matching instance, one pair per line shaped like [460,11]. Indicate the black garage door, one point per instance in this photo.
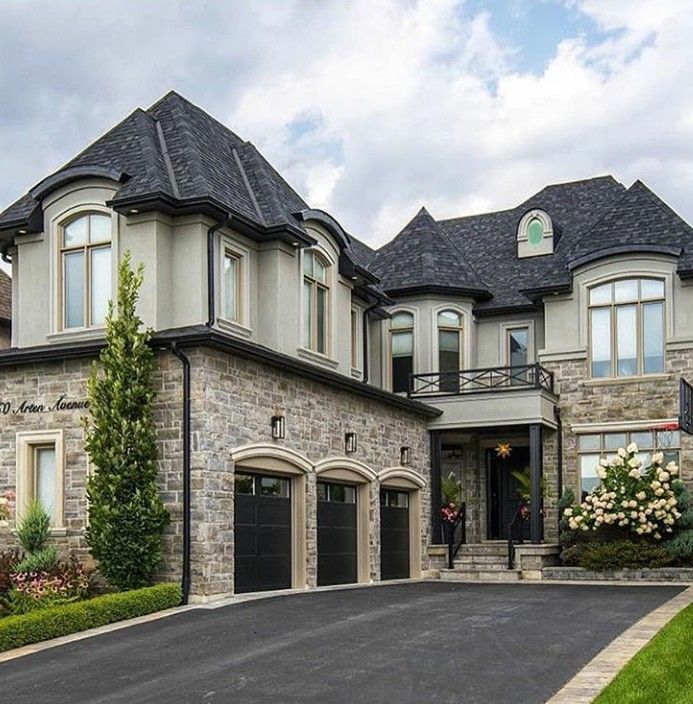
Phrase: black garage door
[337,540]
[262,524]
[394,534]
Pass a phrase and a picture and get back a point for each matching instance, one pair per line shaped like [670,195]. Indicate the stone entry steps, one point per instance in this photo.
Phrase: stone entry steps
[482,562]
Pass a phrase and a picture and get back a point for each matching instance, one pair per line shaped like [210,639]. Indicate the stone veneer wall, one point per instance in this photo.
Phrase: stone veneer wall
[232,402]
[582,400]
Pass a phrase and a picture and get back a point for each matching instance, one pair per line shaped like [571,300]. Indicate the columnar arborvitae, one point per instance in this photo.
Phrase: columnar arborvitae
[126,514]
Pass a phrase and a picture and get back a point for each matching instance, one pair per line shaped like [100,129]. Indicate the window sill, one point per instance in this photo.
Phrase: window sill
[234,327]
[77,335]
[57,532]
[317,357]
[625,380]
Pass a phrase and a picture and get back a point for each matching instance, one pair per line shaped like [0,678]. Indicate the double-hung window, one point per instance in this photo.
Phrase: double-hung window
[402,350]
[449,349]
[316,294]
[627,328]
[85,270]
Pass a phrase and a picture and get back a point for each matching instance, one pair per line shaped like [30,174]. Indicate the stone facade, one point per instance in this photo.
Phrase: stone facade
[583,400]
[233,400]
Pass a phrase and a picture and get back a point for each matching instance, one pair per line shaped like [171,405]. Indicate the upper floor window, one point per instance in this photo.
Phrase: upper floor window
[627,328]
[231,281]
[315,302]
[85,270]
[402,350]
[517,354]
[449,349]
[535,235]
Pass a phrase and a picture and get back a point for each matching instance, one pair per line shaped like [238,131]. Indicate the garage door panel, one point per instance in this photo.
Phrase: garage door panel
[394,535]
[262,534]
[273,540]
[337,535]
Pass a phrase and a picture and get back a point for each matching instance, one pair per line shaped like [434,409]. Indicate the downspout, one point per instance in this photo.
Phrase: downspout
[185,578]
[366,365]
[211,279]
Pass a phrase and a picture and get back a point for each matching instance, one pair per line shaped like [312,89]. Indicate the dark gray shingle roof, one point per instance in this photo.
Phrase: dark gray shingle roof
[423,256]
[489,241]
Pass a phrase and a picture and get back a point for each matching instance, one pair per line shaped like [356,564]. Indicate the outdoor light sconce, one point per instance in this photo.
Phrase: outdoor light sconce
[278,427]
[404,455]
[349,443]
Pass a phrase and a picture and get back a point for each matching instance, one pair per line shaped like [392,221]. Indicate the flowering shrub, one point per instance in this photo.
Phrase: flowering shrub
[449,513]
[7,499]
[639,501]
[67,582]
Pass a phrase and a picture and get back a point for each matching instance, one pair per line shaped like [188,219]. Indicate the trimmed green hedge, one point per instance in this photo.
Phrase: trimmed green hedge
[43,624]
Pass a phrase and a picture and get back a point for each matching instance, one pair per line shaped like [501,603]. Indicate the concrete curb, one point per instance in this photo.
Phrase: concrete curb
[603,668]
[81,635]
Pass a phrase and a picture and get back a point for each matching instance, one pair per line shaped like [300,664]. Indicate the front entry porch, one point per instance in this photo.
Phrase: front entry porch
[502,473]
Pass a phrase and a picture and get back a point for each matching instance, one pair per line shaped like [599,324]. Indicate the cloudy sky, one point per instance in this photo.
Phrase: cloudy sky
[370,108]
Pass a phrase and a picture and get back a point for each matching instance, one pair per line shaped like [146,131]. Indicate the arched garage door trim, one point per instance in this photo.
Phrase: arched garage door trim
[414,483]
[282,460]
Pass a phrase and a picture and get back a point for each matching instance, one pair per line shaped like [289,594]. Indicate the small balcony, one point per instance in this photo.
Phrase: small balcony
[495,396]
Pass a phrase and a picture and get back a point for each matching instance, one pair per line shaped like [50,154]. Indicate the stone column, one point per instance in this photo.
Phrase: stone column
[536,527]
[436,461]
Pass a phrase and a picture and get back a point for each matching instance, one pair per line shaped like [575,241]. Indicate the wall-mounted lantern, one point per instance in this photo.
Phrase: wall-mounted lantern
[349,443]
[278,427]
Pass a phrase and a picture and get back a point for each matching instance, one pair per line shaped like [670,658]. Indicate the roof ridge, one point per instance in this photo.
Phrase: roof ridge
[148,146]
[462,259]
[167,159]
[477,215]
[249,188]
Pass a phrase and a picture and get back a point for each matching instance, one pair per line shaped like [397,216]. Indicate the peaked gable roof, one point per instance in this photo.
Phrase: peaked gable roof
[489,241]
[422,257]
[176,152]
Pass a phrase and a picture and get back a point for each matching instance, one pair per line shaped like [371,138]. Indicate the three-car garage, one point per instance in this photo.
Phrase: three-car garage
[362,529]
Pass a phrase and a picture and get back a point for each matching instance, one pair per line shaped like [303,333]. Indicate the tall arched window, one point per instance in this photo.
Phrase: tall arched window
[402,347]
[85,270]
[627,328]
[449,349]
[315,302]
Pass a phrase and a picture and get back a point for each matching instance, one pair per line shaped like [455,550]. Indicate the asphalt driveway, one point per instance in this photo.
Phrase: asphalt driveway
[418,642]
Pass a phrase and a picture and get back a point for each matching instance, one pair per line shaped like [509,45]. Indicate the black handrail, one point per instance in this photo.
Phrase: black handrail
[449,528]
[466,381]
[686,406]
[516,533]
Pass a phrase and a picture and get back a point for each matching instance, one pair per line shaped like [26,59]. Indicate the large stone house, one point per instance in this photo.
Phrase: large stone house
[313,392]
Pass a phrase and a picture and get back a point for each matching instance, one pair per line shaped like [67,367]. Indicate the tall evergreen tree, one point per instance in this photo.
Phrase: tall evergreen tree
[126,514]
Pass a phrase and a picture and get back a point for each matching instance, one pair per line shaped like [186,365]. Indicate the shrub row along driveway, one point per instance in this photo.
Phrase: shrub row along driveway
[419,642]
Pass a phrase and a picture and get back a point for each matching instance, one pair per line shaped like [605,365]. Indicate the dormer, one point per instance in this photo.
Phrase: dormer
[535,234]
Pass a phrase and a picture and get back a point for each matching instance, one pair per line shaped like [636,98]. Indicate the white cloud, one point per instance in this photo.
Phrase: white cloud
[404,103]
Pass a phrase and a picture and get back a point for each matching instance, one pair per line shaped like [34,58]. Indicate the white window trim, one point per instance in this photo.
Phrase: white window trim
[465,337]
[628,269]
[505,328]
[387,344]
[356,342]
[26,441]
[57,332]
[330,283]
[242,325]
[588,307]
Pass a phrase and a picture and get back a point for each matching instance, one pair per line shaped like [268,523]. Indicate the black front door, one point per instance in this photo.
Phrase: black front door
[262,532]
[394,534]
[503,490]
[337,534]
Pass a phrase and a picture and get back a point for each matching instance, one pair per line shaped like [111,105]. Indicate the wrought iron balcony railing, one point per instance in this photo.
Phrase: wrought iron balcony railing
[468,381]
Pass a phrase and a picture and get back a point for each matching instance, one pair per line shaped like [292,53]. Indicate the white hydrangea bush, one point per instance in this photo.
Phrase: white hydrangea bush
[638,500]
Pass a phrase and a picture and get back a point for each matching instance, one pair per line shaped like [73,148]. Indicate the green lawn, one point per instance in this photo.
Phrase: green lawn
[661,672]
